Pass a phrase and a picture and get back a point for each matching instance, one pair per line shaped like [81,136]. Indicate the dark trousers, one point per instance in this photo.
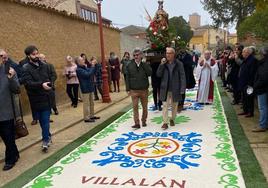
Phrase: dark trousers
[157,102]
[7,133]
[44,117]
[181,102]
[236,93]
[248,102]
[96,89]
[72,91]
[53,100]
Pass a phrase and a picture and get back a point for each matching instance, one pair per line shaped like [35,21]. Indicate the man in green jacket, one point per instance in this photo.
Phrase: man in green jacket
[137,84]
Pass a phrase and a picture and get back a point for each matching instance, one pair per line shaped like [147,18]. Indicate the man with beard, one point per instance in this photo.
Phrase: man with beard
[37,82]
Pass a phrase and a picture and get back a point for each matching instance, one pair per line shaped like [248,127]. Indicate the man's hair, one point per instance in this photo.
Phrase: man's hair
[30,49]
[137,50]
[172,49]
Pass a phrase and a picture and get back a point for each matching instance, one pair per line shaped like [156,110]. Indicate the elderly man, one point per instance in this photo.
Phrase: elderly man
[9,86]
[173,85]
[137,84]
[206,73]
[246,81]
[53,78]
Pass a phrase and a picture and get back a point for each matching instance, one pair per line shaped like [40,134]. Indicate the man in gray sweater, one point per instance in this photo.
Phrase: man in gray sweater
[137,84]
[8,85]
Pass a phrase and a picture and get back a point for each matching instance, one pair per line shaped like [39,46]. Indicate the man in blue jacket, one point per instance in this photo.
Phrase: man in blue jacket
[86,79]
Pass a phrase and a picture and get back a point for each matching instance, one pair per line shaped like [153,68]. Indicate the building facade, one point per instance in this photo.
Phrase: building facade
[86,9]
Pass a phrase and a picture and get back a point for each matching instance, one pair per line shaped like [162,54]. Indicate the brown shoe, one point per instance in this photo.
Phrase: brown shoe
[144,124]
[242,114]
[172,123]
[137,126]
[259,129]
[164,126]
[180,108]
[34,122]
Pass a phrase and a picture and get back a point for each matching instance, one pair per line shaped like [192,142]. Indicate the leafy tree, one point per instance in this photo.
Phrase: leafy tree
[179,27]
[224,12]
[255,25]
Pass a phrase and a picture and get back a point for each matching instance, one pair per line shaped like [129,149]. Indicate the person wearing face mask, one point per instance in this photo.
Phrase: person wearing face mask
[38,85]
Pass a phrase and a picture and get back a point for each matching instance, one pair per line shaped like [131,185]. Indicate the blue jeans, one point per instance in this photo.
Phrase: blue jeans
[44,116]
[263,108]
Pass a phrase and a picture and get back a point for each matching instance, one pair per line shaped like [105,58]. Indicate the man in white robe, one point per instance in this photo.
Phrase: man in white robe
[206,74]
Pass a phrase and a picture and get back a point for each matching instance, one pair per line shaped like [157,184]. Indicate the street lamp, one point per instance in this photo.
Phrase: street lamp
[105,95]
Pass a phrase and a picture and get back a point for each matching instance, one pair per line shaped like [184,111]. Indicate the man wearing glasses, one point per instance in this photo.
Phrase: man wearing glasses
[137,84]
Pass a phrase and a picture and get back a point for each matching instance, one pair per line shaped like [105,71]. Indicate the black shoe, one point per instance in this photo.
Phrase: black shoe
[172,123]
[56,112]
[89,120]
[160,108]
[95,117]
[137,126]
[75,106]
[8,167]
[144,124]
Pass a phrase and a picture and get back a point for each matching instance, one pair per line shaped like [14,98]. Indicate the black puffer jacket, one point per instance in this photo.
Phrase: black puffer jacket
[33,77]
[261,78]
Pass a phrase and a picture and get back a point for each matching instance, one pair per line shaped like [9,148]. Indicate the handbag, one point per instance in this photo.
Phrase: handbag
[20,126]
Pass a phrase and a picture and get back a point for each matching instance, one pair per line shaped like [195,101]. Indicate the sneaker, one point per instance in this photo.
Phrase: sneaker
[49,142]
[164,126]
[137,126]
[45,146]
[34,122]
[154,108]
[172,123]
[89,120]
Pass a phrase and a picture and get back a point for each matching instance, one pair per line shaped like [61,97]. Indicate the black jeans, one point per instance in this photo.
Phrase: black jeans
[181,102]
[157,102]
[72,91]
[248,102]
[7,133]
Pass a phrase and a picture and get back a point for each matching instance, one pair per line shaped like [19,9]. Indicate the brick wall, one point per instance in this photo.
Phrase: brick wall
[55,34]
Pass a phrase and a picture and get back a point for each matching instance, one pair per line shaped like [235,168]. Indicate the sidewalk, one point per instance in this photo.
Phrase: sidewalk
[68,117]
[258,141]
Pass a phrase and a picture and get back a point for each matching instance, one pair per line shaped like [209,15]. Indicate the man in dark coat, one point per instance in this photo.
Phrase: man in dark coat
[173,85]
[156,86]
[137,84]
[187,61]
[53,78]
[261,90]
[246,81]
[37,82]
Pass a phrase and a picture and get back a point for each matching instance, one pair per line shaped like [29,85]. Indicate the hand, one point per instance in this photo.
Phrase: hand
[11,73]
[163,61]
[46,86]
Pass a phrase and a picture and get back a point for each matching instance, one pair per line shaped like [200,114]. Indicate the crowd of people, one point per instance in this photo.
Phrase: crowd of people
[241,73]
[244,73]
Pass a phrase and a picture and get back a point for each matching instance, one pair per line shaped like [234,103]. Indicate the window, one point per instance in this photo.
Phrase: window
[89,15]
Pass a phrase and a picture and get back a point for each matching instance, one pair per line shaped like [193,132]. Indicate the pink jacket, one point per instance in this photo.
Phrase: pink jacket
[70,74]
